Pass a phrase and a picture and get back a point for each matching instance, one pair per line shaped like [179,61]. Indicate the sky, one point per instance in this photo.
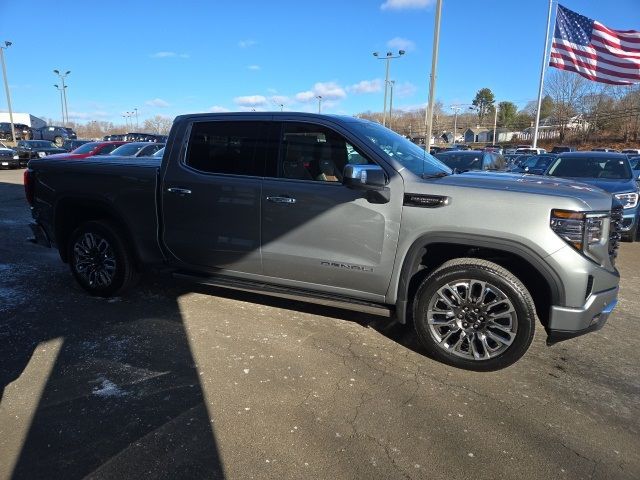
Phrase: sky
[167,58]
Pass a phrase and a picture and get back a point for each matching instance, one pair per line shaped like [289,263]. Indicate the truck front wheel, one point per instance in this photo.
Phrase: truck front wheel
[58,141]
[474,314]
[100,260]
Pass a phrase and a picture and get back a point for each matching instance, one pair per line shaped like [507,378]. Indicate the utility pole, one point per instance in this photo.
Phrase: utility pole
[388,57]
[7,44]
[455,109]
[61,100]
[137,126]
[432,81]
[319,97]
[495,124]
[391,85]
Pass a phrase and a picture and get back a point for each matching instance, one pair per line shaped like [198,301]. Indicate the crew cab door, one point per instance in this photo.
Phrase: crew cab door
[317,233]
[211,194]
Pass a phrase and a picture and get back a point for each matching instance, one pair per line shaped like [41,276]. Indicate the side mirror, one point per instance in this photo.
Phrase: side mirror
[364,177]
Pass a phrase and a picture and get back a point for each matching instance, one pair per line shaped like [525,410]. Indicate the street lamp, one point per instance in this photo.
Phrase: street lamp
[319,97]
[388,57]
[64,93]
[61,101]
[6,45]
[455,109]
[136,111]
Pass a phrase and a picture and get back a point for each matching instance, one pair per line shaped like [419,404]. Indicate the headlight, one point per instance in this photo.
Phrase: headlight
[42,154]
[587,232]
[16,157]
[628,200]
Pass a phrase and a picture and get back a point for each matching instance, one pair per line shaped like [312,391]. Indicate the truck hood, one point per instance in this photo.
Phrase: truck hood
[531,184]
[610,185]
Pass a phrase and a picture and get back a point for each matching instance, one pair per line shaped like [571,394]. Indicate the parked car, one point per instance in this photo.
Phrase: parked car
[8,157]
[71,132]
[433,149]
[611,150]
[144,137]
[70,145]
[563,149]
[609,171]
[113,138]
[634,161]
[28,149]
[631,151]
[457,146]
[531,151]
[90,149]
[464,160]
[137,149]
[534,164]
[22,131]
[271,202]
[494,148]
[54,134]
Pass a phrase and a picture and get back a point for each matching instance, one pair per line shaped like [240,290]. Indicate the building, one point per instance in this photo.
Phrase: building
[473,135]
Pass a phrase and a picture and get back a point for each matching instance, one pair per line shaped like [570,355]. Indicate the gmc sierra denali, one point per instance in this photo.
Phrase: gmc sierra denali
[342,211]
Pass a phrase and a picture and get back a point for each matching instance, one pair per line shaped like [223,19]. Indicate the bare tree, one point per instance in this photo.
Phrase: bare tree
[566,90]
[158,124]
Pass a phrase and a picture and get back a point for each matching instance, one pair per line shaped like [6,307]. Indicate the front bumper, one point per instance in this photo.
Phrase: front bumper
[568,322]
[9,163]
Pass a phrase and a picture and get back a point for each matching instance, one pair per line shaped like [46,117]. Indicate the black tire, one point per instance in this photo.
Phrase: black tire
[122,272]
[472,270]
[58,141]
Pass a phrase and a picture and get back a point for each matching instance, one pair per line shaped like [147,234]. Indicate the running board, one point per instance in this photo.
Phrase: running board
[320,298]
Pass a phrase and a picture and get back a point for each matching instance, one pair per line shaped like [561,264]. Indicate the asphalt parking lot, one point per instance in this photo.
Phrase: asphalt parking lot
[182,381]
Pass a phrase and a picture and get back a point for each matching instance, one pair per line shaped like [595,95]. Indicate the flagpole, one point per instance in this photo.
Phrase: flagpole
[432,83]
[542,70]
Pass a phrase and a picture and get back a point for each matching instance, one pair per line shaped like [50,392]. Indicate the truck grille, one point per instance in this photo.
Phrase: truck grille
[614,231]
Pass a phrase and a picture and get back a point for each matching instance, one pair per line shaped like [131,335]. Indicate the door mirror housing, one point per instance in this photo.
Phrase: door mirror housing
[364,177]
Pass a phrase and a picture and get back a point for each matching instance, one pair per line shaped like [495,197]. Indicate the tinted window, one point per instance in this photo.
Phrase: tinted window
[128,149]
[237,148]
[591,167]
[86,148]
[107,149]
[461,160]
[314,152]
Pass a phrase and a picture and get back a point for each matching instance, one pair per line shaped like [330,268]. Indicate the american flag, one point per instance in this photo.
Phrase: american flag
[599,53]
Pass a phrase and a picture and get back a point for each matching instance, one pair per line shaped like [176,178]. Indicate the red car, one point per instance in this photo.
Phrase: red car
[90,149]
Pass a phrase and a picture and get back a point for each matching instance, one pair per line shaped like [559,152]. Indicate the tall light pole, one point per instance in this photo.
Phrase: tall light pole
[136,111]
[61,100]
[126,122]
[388,57]
[319,97]
[495,124]
[391,85]
[432,81]
[6,45]
[64,94]
[455,109]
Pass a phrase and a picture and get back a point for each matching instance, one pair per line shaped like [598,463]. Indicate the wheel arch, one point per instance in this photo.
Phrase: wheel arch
[72,211]
[430,251]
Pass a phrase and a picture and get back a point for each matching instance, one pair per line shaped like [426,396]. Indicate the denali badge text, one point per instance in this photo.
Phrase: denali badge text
[347,266]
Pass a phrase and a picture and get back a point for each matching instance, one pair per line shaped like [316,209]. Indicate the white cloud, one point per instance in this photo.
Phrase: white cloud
[88,115]
[328,91]
[157,102]
[401,44]
[250,100]
[405,4]
[366,86]
[247,43]
[218,109]
[169,55]
[253,67]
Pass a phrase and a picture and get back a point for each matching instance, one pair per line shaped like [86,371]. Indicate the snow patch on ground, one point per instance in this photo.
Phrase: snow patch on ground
[108,389]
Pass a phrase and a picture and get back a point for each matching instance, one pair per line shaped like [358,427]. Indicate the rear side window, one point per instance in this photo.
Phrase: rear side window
[236,148]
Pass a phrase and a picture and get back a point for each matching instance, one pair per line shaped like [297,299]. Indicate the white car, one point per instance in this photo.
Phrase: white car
[531,150]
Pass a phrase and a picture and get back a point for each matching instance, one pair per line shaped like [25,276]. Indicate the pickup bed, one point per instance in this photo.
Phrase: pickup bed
[341,211]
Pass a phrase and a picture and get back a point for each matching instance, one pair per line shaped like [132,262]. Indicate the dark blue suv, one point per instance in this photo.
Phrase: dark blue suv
[610,172]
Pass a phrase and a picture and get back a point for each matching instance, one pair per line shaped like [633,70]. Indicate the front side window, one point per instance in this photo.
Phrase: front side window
[234,148]
[315,152]
[591,167]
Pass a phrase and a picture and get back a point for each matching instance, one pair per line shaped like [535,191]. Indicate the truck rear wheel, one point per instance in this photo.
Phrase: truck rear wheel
[100,260]
[474,314]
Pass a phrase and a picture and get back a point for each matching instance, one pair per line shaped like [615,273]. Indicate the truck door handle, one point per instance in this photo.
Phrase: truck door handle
[179,191]
[281,199]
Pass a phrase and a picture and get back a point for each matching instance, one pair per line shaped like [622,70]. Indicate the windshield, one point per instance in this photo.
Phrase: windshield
[127,150]
[86,148]
[37,144]
[461,160]
[591,167]
[159,153]
[407,153]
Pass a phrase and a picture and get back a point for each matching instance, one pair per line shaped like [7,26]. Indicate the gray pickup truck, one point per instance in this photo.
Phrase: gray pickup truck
[341,211]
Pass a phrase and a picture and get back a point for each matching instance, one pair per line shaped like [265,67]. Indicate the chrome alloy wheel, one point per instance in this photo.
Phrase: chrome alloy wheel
[472,319]
[94,260]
